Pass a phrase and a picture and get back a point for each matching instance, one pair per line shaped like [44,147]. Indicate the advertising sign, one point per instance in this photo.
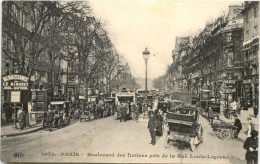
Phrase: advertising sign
[15,96]
[15,82]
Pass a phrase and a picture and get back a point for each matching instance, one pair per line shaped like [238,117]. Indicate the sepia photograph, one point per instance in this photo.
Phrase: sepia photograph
[129,81]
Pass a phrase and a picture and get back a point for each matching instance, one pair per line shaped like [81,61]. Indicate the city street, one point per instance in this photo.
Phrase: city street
[83,140]
[191,67]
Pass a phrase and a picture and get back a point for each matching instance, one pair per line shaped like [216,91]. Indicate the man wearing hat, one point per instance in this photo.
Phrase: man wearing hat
[251,146]
[152,127]
[210,114]
[21,118]
[238,125]
[50,118]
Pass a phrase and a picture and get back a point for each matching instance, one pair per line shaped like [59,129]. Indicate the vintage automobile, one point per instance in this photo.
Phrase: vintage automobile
[205,104]
[172,104]
[85,113]
[183,123]
[109,106]
[162,105]
[61,114]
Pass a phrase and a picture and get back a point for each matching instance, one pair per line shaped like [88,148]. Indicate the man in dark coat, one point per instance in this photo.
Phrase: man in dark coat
[50,119]
[152,127]
[159,119]
[123,112]
[251,146]
[255,110]
[238,125]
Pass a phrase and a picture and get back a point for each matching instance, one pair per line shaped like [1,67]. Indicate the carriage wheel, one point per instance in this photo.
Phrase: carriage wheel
[225,134]
[167,141]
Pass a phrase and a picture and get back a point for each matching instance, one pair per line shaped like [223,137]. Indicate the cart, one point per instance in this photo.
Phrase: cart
[183,123]
[224,130]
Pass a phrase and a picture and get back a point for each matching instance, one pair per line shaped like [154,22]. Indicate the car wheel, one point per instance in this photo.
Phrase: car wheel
[192,144]
[59,124]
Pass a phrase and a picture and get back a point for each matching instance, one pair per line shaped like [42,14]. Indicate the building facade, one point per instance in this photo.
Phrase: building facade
[250,49]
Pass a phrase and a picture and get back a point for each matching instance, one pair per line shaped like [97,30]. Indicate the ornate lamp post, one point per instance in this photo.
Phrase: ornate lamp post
[146,55]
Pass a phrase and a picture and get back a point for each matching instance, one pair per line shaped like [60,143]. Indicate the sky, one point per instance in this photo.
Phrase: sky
[135,25]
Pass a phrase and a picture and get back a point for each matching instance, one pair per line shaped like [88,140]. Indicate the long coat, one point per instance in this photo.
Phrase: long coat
[159,122]
[253,143]
[152,124]
[50,116]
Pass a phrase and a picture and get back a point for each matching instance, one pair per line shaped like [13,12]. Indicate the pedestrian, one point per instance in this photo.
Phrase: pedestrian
[152,127]
[123,112]
[50,118]
[250,126]
[238,106]
[238,124]
[255,111]
[133,110]
[21,118]
[159,119]
[137,109]
[251,146]
[210,114]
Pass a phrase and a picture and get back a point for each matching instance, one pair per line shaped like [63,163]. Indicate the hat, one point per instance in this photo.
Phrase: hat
[254,133]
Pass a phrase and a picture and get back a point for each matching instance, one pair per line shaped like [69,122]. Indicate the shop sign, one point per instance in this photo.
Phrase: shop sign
[15,82]
[15,77]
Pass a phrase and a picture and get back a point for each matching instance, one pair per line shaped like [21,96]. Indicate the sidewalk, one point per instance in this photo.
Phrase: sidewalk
[7,131]
[243,117]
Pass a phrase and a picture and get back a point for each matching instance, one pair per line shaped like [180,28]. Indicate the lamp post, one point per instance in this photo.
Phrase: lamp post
[146,55]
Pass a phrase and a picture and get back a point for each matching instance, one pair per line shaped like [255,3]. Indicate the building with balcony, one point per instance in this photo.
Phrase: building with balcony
[250,49]
[213,61]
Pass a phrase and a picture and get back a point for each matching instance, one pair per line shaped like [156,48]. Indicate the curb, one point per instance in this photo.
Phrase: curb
[21,133]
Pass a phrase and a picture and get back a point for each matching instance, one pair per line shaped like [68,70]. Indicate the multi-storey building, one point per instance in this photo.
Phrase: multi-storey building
[212,61]
[178,53]
[250,49]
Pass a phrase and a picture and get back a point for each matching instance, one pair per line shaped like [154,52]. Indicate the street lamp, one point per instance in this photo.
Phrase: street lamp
[146,55]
